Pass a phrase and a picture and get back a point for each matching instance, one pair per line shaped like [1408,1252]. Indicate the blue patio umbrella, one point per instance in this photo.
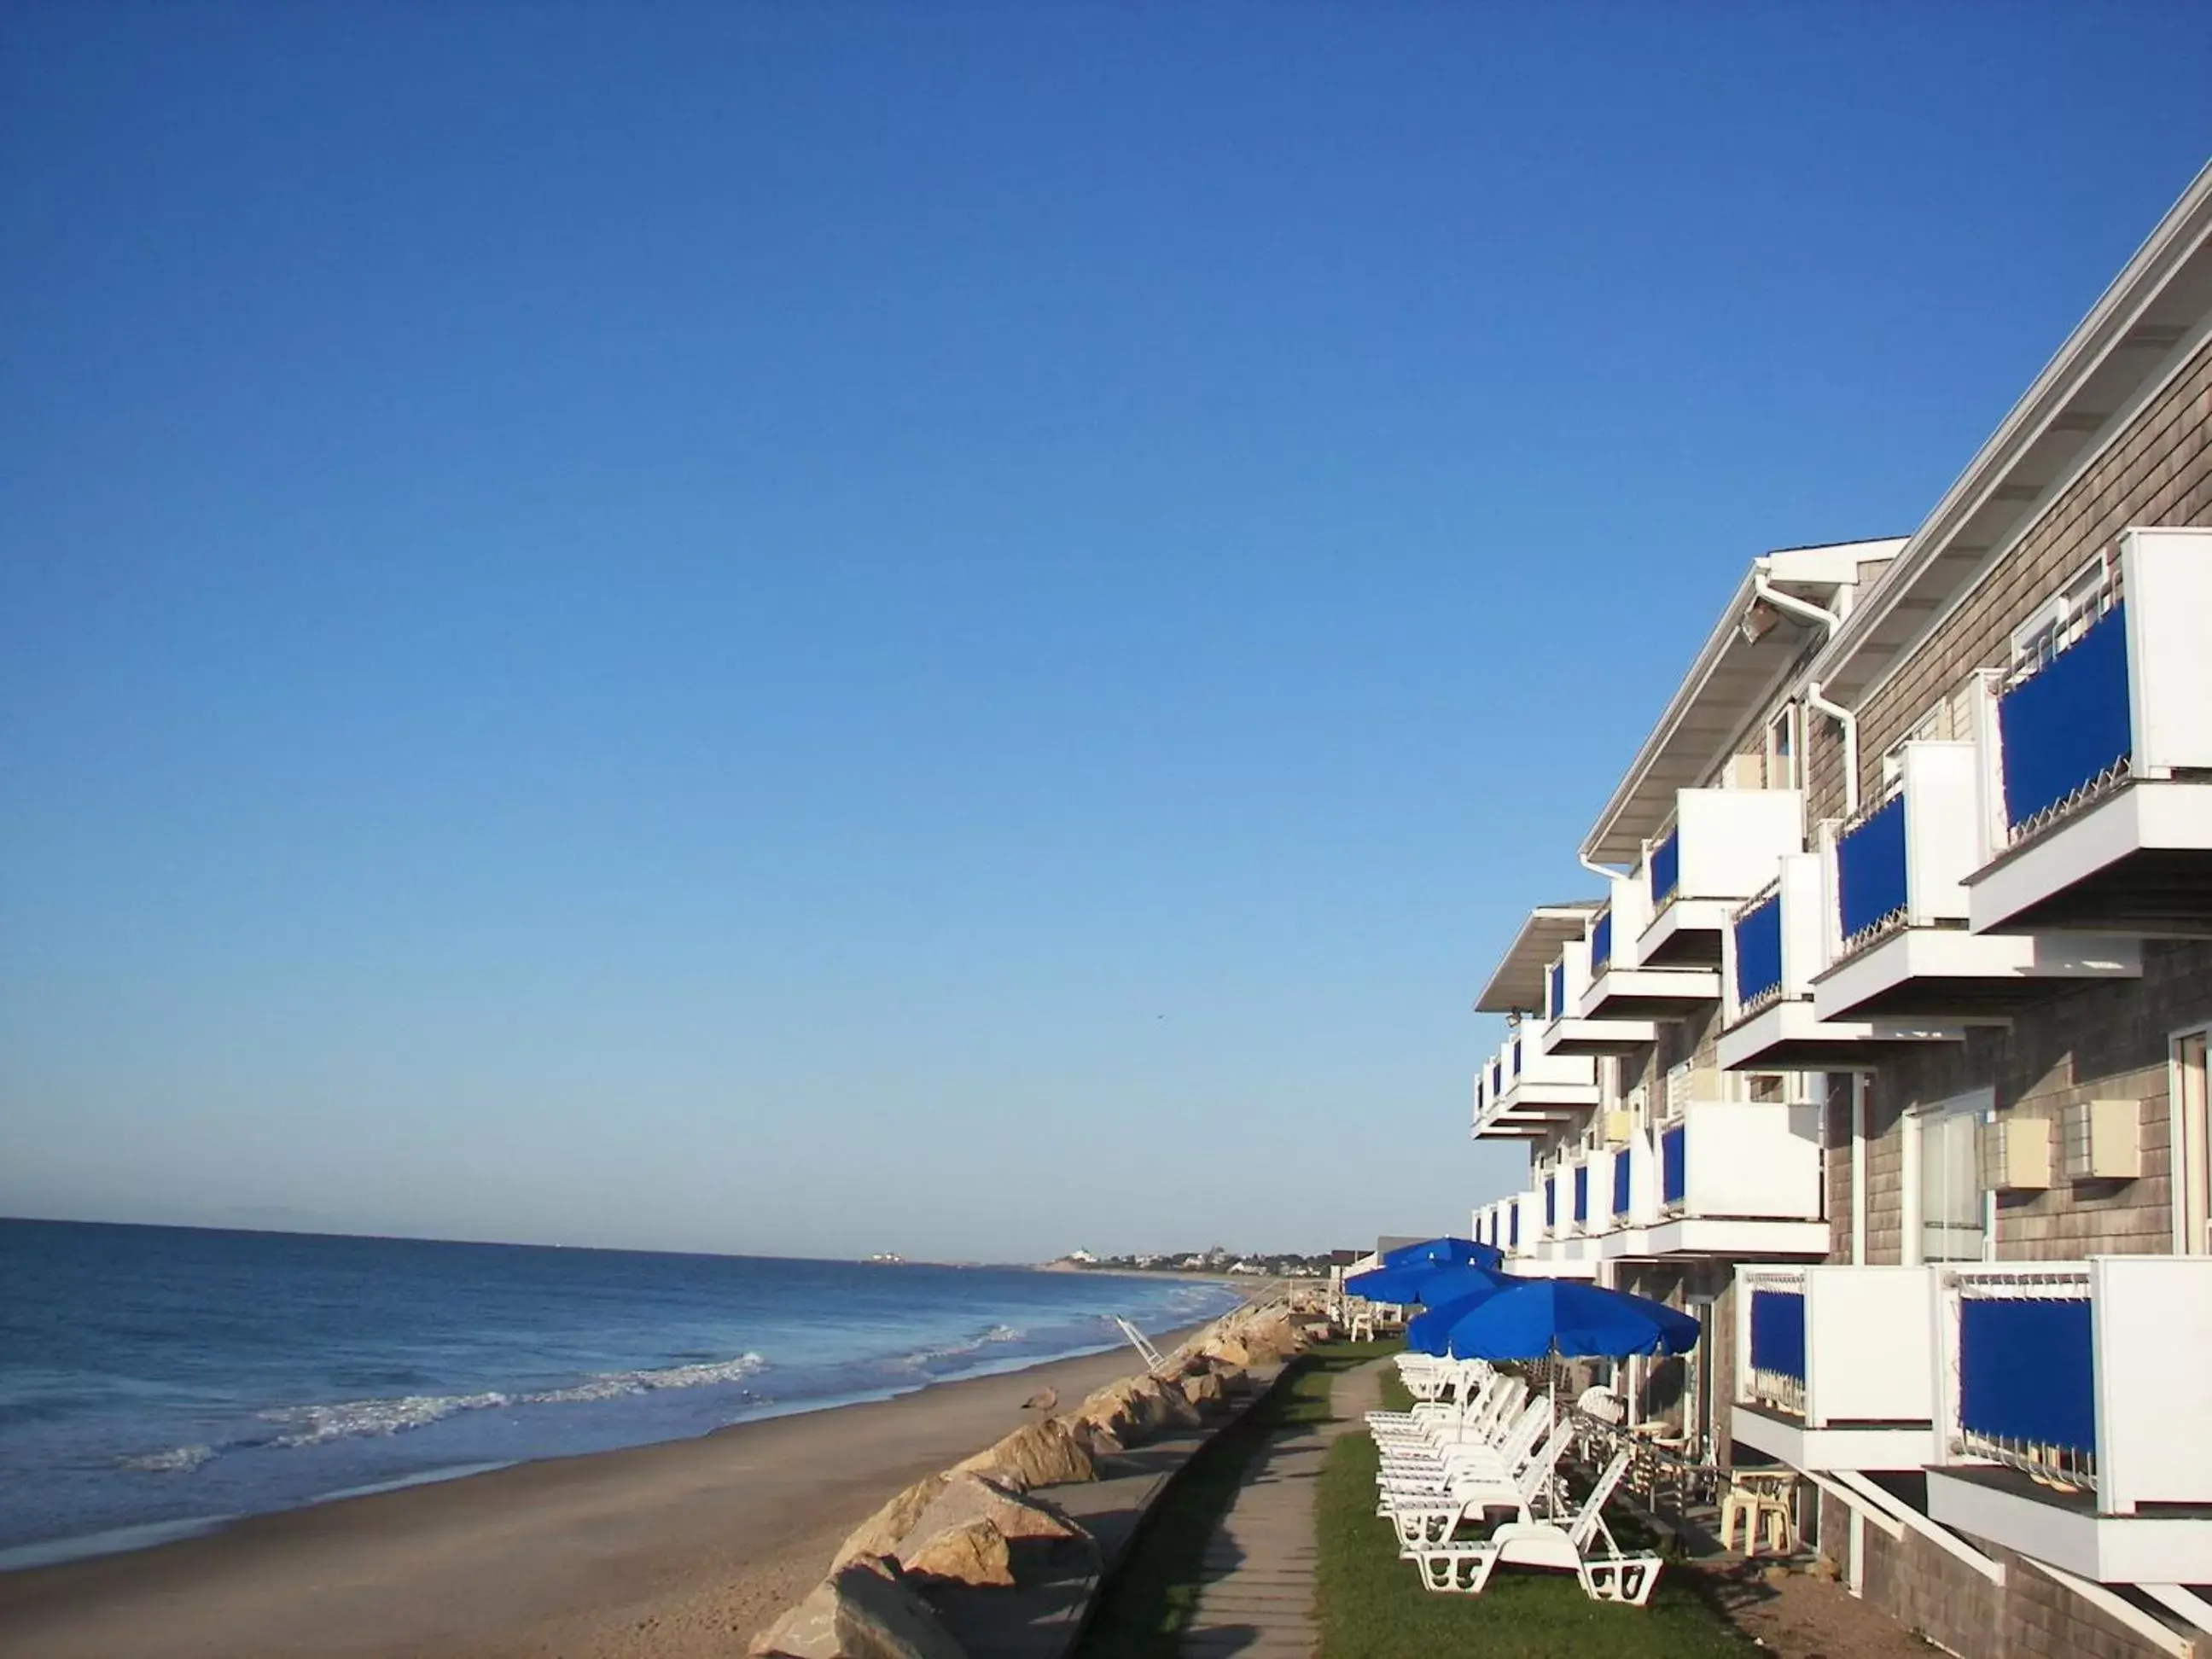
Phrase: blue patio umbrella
[1445,1251]
[1432,1282]
[1537,1318]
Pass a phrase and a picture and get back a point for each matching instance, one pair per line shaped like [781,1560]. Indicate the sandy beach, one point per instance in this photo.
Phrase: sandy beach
[678,1549]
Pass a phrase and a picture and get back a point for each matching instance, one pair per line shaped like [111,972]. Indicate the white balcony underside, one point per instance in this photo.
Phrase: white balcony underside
[1687,931]
[1790,1034]
[1929,972]
[1885,1446]
[1537,1266]
[1730,1238]
[1598,1036]
[2138,861]
[1649,993]
[1996,1506]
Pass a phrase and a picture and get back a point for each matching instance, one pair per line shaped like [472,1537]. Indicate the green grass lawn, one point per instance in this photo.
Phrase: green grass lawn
[1372,1605]
[1145,1608]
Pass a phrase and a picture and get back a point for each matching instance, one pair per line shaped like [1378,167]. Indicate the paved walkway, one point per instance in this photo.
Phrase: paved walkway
[1258,1574]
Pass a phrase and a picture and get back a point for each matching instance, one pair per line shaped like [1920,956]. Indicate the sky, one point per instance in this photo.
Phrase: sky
[960,629]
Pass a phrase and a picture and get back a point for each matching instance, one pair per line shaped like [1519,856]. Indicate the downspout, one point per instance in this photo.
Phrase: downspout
[1858,1170]
[1850,722]
[1605,872]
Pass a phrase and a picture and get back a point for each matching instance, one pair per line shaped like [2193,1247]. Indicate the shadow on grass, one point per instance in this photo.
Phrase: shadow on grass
[1147,1604]
[1372,1605]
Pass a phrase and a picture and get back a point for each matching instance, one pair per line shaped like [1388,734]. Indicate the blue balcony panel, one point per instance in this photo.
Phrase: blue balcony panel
[1778,1332]
[1666,868]
[1759,951]
[1513,1226]
[2069,725]
[1620,1182]
[2026,1376]
[1581,1192]
[1600,943]
[1555,991]
[1870,869]
[1551,1201]
[1673,1164]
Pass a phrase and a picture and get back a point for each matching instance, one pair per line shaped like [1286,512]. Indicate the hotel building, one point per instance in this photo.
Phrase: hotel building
[1881,1046]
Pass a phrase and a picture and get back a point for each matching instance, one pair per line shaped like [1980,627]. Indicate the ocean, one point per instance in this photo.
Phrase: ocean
[158,1381]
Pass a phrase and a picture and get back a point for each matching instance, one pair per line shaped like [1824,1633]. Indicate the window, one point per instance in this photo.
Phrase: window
[1781,749]
[1952,1216]
[2066,615]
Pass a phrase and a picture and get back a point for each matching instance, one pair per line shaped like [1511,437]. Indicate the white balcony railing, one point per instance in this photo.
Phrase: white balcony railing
[1720,850]
[1897,909]
[2097,801]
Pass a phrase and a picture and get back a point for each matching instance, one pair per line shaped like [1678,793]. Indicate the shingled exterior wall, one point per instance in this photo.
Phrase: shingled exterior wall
[2108,1041]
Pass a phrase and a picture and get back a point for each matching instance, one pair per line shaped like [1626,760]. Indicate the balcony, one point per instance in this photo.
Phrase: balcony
[1551,1244]
[1774,946]
[1620,986]
[1897,872]
[1835,1366]
[1720,851]
[2100,797]
[2071,1402]
[1523,1094]
[1737,1179]
[1567,1031]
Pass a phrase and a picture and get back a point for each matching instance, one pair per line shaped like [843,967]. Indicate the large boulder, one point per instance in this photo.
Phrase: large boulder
[967,1496]
[1173,1406]
[1204,1389]
[964,1535]
[882,1533]
[1229,1350]
[860,1611]
[1094,1438]
[973,1552]
[1234,1379]
[1043,1454]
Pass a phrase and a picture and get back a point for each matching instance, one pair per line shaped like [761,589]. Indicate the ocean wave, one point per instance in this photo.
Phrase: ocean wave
[612,1385]
[178,1460]
[921,1358]
[353,1420]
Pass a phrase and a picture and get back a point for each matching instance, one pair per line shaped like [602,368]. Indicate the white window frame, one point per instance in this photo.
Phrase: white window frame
[1789,750]
[2063,618]
[1981,1104]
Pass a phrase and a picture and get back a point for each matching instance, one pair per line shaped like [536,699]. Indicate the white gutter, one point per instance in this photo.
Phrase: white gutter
[1850,722]
[1605,872]
[1803,609]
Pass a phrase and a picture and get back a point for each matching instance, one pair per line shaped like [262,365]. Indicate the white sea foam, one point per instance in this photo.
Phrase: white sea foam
[611,1385]
[353,1419]
[924,1357]
[178,1460]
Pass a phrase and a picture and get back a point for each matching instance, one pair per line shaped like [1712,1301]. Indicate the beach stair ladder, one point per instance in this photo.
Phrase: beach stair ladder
[1153,1358]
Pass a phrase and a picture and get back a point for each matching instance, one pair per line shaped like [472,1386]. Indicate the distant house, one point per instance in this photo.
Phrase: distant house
[1083,1256]
[1245,1268]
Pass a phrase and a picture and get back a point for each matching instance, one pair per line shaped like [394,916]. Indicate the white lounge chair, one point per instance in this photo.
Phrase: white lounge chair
[1584,1546]
[1427,1518]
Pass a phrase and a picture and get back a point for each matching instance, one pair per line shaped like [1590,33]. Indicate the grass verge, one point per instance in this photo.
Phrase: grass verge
[1372,1605]
[1148,1603]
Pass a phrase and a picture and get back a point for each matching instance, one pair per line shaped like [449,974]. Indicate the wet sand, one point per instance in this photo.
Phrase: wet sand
[677,1550]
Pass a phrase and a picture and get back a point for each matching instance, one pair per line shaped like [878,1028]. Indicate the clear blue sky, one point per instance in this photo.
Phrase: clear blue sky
[951,629]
